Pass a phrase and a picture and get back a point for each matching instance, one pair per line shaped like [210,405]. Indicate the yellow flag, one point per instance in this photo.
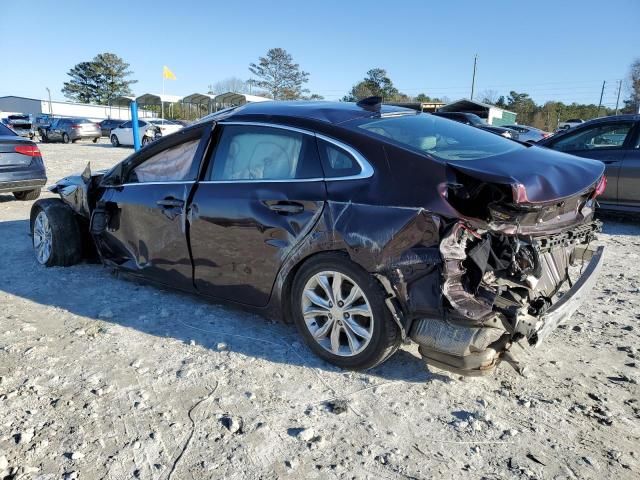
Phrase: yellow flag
[168,74]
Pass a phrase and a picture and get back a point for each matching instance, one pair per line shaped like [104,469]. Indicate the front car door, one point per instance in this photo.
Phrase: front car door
[143,210]
[261,195]
[125,133]
[53,134]
[604,141]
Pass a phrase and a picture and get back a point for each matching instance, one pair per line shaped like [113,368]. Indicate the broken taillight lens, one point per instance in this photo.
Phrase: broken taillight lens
[519,193]
[600,188]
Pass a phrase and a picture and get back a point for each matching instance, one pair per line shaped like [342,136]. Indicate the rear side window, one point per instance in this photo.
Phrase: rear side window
[5,130]
[337,162]
[126,125]
[257,153]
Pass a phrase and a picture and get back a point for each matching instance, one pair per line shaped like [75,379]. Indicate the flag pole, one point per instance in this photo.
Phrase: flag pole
[162,99]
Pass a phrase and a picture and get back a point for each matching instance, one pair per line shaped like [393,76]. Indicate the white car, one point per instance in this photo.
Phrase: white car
[166,126]
[572,122]
[148,129]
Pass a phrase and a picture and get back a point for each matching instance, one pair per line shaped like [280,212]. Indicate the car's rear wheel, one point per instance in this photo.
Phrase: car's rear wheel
[27,194]
[114,141]
[57,240]
[340,311]
[65,138]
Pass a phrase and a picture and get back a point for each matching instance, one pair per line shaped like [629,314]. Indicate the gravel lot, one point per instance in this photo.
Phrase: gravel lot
[103,378]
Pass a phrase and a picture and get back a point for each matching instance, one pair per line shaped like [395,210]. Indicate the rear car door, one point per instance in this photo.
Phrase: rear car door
[143,210]
[604,141]
[262,194]
[629,179]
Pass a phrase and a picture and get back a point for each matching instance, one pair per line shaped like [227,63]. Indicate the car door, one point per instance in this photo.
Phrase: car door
[140,221]
[629,179]
[262,194]
[54,132]
[604,141]
[125,133]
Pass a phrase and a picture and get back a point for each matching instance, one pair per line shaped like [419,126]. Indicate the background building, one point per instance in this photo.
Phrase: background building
[492,114]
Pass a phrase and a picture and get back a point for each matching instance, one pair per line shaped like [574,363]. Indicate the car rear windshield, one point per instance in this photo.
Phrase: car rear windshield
[438,137]
[81,120]
[5,130]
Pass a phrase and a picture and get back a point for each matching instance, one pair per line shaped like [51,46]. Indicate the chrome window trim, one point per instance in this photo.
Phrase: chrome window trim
[133,184]
[366,170]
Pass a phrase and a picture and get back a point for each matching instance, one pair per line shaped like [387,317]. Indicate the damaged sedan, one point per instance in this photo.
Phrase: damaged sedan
[365,225]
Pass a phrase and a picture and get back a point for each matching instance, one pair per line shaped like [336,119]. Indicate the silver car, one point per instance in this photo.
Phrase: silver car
[67,130]
[527,133]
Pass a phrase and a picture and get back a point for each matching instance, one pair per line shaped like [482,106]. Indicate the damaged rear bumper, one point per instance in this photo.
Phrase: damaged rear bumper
[572,299]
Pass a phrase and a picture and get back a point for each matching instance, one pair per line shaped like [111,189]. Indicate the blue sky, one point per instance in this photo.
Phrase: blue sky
[554,50]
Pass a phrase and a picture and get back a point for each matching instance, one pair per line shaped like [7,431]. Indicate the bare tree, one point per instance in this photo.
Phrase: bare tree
[231,84]
[489,96]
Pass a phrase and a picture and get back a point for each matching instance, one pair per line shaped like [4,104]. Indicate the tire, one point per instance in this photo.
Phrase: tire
[114,141]
[43,137]
[145,141]
[383,333]
[61,231]
[27,194]
[95,140]
[65,138]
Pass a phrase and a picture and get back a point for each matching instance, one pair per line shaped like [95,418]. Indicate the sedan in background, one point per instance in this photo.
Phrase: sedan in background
[109,124]
[615,141]
[147,131]
[21,124]
[527,133]
[364,224]
[475,121]
[166,126]
[22,170]
[67,130]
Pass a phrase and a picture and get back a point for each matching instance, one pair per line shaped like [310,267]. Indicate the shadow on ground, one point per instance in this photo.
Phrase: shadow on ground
[94,292]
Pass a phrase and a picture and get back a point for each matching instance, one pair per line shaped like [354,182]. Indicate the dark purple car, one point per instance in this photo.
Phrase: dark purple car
[22,170]
[363,224]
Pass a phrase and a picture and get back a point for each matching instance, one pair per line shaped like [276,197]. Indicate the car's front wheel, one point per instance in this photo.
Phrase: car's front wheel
[27,194]
[57,240]
[340,311]
[114,141]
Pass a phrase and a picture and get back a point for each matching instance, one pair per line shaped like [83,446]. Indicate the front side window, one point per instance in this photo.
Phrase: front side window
[597,137]
[437,137]
[126,125]
[255,153]
[170,165]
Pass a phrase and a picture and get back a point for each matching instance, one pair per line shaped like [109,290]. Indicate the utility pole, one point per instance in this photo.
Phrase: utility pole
[473,79]
[601,95]
[618,99]
[50,107]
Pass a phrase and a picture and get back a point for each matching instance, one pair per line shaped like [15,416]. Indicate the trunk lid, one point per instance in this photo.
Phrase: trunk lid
[8,155]
[547,176]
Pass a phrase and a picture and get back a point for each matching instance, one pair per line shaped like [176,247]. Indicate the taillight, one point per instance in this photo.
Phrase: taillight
[519,193]
[28,150]
[75,126]
[600,188]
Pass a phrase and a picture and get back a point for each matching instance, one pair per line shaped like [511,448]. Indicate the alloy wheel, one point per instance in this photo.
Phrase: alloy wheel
[42,238]
[337,313]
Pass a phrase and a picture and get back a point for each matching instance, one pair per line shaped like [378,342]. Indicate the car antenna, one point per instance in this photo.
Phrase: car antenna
[370,103]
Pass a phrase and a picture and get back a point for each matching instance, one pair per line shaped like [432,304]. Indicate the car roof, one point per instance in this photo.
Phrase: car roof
[328,112]
[634,117]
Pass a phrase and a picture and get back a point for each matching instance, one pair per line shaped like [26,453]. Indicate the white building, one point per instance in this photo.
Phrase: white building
[33,106]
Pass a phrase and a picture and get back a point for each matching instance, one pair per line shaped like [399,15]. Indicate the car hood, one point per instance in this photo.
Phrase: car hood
[546,175]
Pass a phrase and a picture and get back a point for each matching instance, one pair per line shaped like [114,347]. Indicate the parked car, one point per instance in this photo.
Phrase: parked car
[476,121]
[42,122]
[615,141]
[123,134]
[67,130]
[109,124]
[166,126]
[572,122]
[527,133]
[22,170]
[21,124]
[364,224]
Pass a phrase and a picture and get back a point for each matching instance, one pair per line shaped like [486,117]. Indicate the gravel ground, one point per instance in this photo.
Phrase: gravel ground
[103,378]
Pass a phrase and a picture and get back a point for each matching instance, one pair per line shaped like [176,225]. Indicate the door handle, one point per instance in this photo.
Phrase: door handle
[170,202]
[287,207]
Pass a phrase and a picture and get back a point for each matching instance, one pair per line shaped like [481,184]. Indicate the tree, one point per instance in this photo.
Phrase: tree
[376,83]
[279,75]
[231,84]
[523,105]
[632,104]
[99,80]
[490,96]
